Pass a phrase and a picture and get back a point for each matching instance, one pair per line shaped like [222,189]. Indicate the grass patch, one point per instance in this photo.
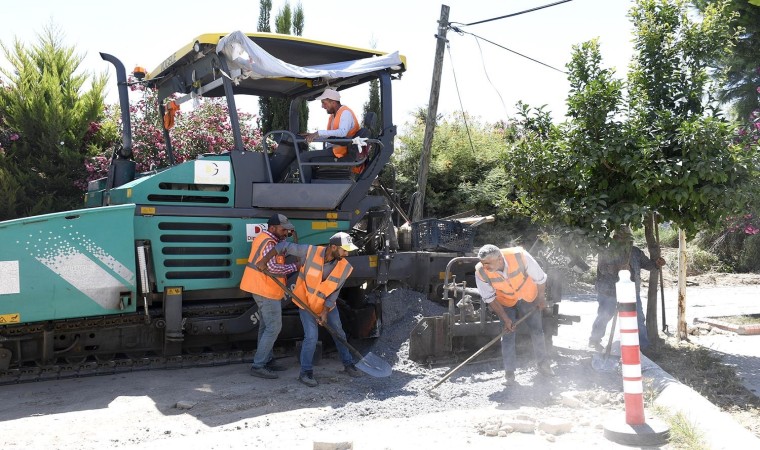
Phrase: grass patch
[751,319]
[683,433]
[704,372]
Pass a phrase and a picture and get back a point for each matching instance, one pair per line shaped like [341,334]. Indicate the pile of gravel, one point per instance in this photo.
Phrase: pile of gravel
[406,392]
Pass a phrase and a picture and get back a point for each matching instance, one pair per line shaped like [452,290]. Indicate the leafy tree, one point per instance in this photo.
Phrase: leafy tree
[573,175]
[50,118]
[460,176]
[693,174]
[740,69]
[666,150]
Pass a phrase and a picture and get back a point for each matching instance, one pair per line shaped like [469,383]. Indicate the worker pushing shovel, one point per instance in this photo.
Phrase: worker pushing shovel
[511,282]
[512,329]
[323,272]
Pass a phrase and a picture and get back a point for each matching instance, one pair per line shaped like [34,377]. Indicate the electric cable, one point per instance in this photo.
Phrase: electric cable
[460,31]
[485,70]
[461,105]
[513,14]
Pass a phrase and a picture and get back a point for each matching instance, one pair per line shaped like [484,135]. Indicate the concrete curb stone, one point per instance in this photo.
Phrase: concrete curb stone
[738,329]
[719,430]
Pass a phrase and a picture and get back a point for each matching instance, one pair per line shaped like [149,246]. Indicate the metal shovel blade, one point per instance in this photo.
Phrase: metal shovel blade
[373,365]
[604,363]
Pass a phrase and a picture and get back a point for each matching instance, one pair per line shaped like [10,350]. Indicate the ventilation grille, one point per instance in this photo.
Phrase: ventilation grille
[193,251]
[192,193]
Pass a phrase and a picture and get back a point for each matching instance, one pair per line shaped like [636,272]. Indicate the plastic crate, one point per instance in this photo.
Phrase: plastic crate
[435,234]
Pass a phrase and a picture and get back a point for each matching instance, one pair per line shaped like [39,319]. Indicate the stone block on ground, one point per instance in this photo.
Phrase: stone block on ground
[346,445]
[554,426]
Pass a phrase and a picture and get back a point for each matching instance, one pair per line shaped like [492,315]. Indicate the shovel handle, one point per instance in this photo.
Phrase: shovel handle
[303,305]
[482,349]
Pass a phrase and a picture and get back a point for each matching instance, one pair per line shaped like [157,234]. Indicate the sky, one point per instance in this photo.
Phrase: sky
[486,79]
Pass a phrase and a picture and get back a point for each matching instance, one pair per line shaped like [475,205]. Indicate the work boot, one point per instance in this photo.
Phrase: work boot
[545,368]
[274,367]
[307,378]
[595,345]
[263,372]
[509,378]
[352,371]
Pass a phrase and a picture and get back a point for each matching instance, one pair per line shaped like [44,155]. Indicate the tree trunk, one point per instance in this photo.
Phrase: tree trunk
[650,308]
[683,333]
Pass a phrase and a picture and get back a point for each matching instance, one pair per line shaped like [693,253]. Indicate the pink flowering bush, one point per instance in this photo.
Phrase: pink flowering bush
[202,130]
[747,224]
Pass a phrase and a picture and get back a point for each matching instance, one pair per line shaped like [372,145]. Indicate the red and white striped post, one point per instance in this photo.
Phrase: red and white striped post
[633,386]
[636,430]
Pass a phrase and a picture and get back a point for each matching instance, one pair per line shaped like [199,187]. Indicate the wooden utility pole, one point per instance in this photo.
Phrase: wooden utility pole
[432,112]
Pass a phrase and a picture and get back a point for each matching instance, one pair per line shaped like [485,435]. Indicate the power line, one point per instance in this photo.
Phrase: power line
[483,63]
[460,31]
[461,105]
[514,14]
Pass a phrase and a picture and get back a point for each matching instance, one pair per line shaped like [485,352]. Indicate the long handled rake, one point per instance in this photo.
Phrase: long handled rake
[482,349]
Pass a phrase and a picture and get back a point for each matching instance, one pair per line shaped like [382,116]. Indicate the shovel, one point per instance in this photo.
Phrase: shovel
[482,349]
[605,364]
[370,363]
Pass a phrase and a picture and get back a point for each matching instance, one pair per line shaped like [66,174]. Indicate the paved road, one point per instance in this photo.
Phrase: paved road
[743,352]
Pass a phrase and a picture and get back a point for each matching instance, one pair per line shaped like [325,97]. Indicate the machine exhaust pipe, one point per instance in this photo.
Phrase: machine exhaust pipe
[122,169]
[121,80]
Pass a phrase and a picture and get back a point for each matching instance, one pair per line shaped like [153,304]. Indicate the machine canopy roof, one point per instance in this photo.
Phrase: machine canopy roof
[269,64]
[255,62]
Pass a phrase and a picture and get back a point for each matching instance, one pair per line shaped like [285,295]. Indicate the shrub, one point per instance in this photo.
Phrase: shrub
[749,257]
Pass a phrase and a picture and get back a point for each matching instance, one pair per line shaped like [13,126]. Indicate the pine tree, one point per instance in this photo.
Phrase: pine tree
[265,111]
[274,111]
[50,116]
[373,103]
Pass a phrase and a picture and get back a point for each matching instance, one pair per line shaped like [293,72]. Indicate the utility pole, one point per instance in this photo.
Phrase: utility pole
[432,112]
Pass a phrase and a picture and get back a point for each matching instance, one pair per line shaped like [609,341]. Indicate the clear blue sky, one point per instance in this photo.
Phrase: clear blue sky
[146,33]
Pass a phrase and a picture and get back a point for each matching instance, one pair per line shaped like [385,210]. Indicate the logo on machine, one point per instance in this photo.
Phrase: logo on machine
[212,172]
[253,229]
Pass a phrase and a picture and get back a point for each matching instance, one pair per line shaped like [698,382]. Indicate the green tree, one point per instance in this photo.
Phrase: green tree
[665,150]
[739,74]
[265,10]
[574,175]
[460,176]
[45,105]
[373,103]
[274,111]
[695,174]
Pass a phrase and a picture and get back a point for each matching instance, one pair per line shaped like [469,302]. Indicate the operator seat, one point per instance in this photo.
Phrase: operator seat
[354,154]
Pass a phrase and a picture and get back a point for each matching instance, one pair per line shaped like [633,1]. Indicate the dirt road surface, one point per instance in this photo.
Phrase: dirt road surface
[224,407]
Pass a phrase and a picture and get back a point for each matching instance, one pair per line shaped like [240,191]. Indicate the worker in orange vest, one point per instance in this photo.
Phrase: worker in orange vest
[267,293]
[510,281]
[341,122]
[320,280]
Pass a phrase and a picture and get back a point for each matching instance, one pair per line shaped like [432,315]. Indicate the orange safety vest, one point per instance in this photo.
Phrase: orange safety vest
[257,282]
[310,288]
[517,286]
[333,123]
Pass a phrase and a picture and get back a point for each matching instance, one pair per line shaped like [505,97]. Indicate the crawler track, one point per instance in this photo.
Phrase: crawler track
[121,364]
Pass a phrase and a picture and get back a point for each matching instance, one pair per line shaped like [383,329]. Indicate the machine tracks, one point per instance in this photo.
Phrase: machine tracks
[122,364]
